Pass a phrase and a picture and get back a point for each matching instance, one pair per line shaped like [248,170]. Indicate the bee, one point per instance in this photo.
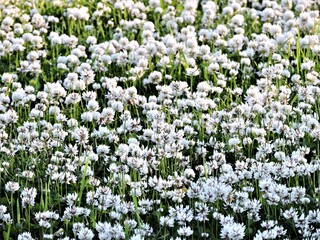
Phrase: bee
[230,199]
[184,189]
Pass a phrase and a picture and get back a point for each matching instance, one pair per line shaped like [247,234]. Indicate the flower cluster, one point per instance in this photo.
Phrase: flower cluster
[193,119]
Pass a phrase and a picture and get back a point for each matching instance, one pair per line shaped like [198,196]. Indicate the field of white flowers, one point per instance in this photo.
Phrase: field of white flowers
[159,119]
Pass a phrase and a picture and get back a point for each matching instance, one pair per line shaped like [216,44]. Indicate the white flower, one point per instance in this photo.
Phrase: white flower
[28,196]
[87,117]
[93,105]
[235,231]
[85,234]
[238,20]
[185,231]
[12,186]
[91,40]
[137,237]
[192,71]
[8,77]
[78,13]
[81,135]
[233,141]
[189,173]
[25,236]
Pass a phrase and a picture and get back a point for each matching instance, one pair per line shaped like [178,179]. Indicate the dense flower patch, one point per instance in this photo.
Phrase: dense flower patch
[160,119]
